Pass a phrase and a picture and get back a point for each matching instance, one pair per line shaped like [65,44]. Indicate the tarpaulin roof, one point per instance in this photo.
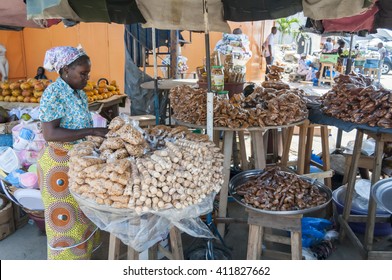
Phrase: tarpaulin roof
[184,14]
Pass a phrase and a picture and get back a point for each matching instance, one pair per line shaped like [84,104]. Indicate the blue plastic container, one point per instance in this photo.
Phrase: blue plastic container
[6,140]
[380,229]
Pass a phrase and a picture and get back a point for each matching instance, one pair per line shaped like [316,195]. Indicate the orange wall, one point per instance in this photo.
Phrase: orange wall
[104,43]
[13,42]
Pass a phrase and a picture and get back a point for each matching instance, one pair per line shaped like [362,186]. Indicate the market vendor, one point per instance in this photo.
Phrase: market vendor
[40,73]
[66,120]
[304,69]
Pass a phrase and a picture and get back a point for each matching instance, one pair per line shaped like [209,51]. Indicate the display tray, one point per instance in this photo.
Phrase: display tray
[382,194]
[256,128]
[246,176]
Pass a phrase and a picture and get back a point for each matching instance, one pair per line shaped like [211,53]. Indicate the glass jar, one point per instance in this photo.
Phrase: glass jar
[223,94]
[217,78]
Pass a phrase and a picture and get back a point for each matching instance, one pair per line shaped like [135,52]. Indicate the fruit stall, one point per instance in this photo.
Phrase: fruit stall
[103,96]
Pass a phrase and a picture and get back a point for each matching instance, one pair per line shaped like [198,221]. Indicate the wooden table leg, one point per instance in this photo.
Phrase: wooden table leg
[325,151]
[308,149]
[227,152]
[132,254]
[377,165]
[258,149]
[296,245]
[351,180]
[255,242]
[176,244]
[301,147]
[244,160]
[288,136]
[114,247]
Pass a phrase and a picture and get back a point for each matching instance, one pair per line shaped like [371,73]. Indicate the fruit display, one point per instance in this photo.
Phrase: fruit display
[144,170]
[101,90]
[264,107]
[354,99]
[31,90]
[27,91]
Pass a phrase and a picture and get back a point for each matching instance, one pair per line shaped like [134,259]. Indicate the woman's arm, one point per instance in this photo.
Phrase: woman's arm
[53,132]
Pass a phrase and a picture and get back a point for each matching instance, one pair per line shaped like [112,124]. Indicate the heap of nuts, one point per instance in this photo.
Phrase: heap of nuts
[272,106]
[126,171]
[277,190]
[354,99]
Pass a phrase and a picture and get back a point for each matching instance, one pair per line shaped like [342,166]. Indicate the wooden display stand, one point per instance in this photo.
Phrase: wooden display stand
[371,72]
[258,153]
[365,248]
[325,67]
[258,221]
[306,133]
[176,252]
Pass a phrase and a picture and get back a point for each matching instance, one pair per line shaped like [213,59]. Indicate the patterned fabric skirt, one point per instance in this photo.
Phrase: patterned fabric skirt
[70,234]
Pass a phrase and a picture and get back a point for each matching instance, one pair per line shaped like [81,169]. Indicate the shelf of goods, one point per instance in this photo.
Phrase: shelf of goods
[146,179]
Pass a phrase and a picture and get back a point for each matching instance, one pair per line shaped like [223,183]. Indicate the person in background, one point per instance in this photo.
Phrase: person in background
[304,69]
[65,120]
[40,73]
[341,44]
[383,53]
[328,46]
[268,47]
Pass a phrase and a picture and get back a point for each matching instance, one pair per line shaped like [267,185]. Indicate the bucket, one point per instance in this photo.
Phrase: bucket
[380,229]
[8,159]
[39,218]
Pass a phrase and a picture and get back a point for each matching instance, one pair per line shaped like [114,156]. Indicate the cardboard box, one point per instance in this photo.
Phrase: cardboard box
[7,225]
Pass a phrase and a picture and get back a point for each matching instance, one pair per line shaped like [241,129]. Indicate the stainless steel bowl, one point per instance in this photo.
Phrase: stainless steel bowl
[382,194]
[248,175]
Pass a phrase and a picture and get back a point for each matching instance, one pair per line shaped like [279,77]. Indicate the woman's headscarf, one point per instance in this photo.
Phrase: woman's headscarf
[58,57]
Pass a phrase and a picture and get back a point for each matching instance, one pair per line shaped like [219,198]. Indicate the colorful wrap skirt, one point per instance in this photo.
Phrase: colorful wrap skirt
[70,234]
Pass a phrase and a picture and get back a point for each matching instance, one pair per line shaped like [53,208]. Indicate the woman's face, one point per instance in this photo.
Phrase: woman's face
[78,75]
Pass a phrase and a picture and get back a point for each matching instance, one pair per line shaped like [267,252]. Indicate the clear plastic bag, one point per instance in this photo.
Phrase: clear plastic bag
[143,231]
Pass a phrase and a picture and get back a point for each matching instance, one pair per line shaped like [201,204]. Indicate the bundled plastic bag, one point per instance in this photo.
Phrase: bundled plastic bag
[314,230]
[143,231]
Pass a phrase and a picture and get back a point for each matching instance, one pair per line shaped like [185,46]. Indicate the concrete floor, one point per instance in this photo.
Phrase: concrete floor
[29,243]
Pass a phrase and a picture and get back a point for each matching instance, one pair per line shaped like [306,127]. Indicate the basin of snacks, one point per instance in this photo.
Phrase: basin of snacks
[274,191]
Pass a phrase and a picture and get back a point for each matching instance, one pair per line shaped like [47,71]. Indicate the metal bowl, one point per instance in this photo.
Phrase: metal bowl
[382,194]
[248,175]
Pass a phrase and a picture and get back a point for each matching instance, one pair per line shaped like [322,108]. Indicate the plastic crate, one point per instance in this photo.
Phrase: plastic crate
[372,63]
[328,58]
[6,140]
[359,62]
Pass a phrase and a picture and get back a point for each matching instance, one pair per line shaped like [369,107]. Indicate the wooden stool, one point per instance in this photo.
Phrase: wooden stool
[144,120]
[371,72]
[305,143]
[258,155]
[370,219]
[259,221]
[325,67]
[176,252]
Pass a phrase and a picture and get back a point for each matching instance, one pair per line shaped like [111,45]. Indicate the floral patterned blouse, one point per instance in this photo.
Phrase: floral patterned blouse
[60,102]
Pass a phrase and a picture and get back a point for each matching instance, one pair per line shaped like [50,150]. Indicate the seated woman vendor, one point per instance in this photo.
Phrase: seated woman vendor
[304,69]
[65,119]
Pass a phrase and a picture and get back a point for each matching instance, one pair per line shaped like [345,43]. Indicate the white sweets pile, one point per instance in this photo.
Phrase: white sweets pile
[125,171]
